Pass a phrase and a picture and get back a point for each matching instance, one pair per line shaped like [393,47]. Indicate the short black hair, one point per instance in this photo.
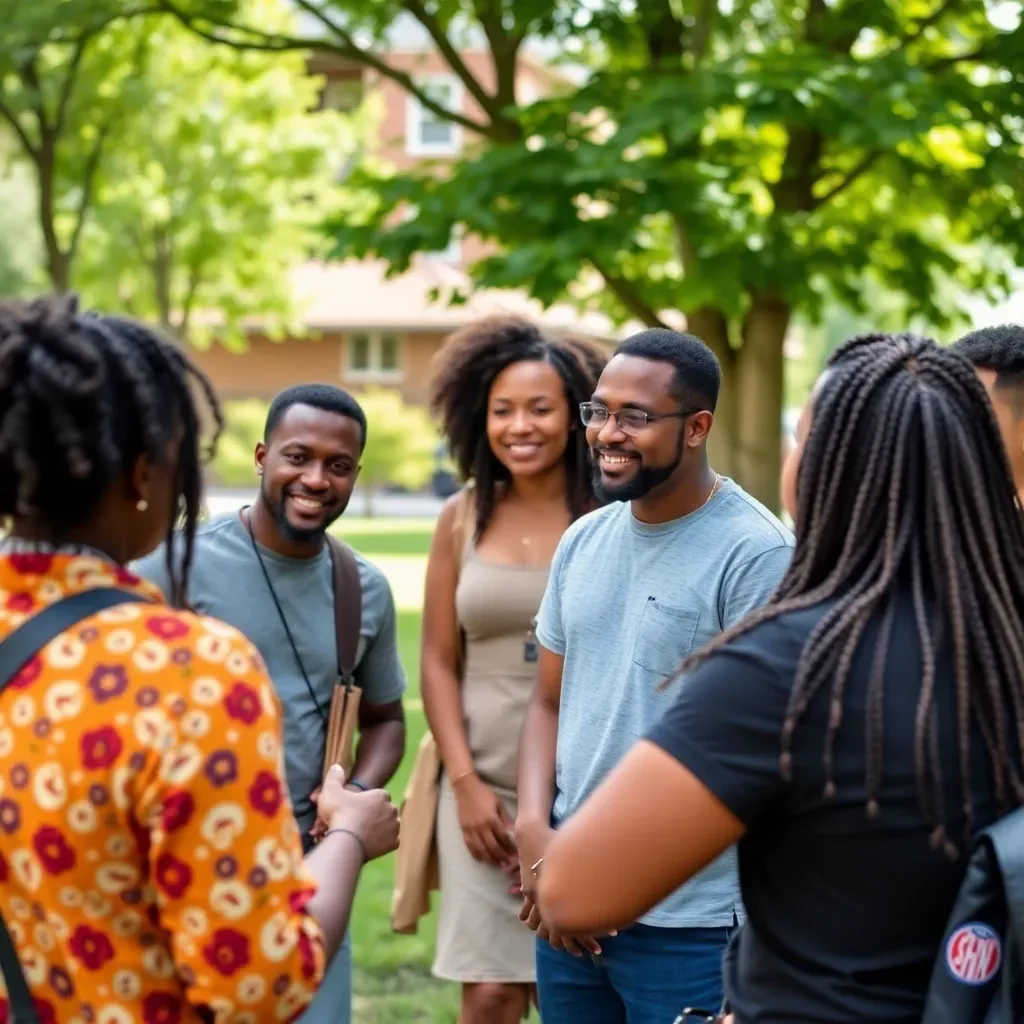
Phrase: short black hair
[1000,349]
[82,396]
[319,396]
[698,376]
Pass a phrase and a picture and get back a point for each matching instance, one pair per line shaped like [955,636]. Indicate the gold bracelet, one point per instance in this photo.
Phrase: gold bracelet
[462,777]
[537,865]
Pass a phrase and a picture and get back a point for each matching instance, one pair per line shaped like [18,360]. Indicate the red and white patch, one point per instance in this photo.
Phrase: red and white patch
[974,953]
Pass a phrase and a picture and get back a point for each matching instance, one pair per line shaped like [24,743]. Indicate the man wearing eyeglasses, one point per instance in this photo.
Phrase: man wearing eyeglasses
[678,554]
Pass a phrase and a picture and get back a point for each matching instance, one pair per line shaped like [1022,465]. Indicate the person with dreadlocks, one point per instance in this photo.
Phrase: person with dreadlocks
[854,733]
[150,866]
[678,554]
[997,355]
[506,396]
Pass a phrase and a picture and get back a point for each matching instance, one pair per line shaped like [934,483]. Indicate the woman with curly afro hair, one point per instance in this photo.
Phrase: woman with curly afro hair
[507,398]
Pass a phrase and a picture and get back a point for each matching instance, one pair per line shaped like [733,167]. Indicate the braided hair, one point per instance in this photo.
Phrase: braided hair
[905,487]
[82,397]
[465,368]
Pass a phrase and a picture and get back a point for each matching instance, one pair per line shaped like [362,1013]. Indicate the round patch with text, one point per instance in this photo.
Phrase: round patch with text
[974,953]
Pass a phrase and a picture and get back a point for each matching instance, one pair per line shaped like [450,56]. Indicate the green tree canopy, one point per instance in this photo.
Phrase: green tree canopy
[70,78]
[741,163]
[169,176]
[400,444]
[217,193]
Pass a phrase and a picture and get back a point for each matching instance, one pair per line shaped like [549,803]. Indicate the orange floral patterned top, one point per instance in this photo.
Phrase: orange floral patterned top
[151,870]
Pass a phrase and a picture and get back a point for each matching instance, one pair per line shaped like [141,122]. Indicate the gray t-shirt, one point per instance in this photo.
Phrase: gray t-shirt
[625,603]
[227,583]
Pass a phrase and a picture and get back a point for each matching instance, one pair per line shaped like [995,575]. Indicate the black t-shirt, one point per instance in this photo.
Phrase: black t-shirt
[844,914]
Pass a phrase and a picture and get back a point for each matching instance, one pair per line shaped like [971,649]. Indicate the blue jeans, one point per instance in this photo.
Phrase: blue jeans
[645,975]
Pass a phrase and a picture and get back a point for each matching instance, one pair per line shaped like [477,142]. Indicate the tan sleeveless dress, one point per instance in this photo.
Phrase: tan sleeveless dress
[479,935]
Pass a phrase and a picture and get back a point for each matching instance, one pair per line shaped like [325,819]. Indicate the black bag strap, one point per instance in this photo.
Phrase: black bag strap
[16,651]
[978,976]
[348,607]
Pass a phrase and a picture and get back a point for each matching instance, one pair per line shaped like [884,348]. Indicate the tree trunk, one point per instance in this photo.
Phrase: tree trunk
[58,269]
[57,260]
[756,389]
[711,326]
[746,440]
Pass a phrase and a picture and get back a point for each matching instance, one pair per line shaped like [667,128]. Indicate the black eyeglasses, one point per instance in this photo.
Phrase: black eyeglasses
[630,421]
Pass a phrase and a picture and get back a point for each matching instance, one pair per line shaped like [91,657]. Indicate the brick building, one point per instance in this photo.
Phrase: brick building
[364,328]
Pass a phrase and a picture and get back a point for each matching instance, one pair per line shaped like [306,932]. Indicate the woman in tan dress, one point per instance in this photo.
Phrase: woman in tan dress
[507,398]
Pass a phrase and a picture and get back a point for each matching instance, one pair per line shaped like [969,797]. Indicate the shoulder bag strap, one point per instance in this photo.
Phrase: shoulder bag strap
[463,530]
[15,652]
[348,607]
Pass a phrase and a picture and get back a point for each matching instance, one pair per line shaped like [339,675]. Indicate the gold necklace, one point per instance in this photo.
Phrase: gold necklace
[714,491]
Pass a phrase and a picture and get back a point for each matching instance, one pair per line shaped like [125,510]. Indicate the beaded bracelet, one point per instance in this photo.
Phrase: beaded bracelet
[357,838]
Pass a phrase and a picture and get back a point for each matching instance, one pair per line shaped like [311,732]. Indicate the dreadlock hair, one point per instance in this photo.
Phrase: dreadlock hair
[464,371]
[904,487]
[82,397]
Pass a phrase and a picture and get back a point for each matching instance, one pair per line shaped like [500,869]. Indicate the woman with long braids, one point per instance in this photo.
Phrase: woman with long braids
[508,399]
[857,731]
[150,866]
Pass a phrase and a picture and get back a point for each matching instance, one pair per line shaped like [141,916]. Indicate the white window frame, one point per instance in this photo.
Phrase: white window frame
[373,372]
[451,253]
[414,112]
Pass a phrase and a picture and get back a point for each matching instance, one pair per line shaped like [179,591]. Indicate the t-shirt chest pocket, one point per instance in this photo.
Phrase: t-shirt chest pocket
[664,636]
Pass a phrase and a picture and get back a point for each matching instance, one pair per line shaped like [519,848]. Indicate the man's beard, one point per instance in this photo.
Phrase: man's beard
[640,485]
[290,533]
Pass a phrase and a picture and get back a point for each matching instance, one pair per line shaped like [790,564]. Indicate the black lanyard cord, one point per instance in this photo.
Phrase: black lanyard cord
[284,620]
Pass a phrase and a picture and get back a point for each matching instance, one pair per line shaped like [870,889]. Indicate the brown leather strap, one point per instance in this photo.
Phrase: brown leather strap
[348,606]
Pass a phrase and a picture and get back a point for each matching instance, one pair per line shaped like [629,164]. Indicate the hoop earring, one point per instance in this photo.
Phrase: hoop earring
[142,504]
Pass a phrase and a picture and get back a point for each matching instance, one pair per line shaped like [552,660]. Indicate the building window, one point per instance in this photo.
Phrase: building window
[344,94]
[451,253]
[426,133]
[373,356]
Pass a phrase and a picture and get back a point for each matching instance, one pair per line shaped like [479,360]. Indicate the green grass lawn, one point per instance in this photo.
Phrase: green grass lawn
[392,982]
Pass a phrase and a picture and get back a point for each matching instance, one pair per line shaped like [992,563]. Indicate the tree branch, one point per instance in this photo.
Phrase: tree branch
[794,190]
[30,76]
[346,46]
[29,146]
[451,55]
[92,163]
[504,47]
[851,176]
[703,30]
[662,32]
[627,294]
[57,38]
[195,279]
[687,252]
[68,85]
[820,29]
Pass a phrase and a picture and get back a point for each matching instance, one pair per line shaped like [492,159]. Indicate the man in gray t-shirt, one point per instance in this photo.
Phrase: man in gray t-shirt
[267,571]
[678,555]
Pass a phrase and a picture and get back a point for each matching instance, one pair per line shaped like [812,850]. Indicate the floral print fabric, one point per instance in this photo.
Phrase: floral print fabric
[150,864]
